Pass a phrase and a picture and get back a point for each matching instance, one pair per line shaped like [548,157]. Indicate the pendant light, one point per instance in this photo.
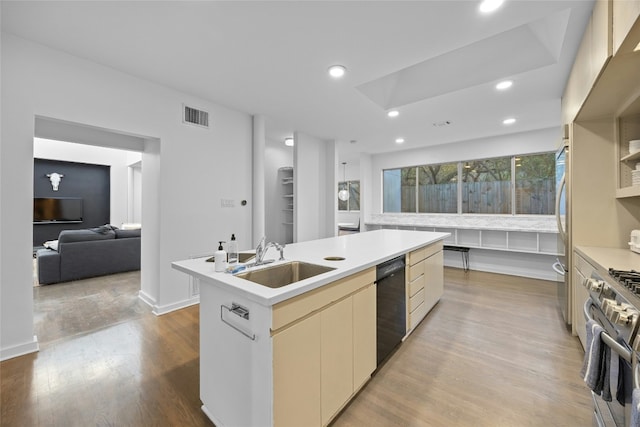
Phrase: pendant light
[343,194]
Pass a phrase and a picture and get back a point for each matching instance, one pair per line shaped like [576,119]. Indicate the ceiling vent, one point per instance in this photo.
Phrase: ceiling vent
[194,116]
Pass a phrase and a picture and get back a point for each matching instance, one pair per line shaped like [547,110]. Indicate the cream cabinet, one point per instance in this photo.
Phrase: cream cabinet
[582,270]
[364,335]
[336,357]
[601,106]
[296,374]
[425,282]
[625,14]
[324,350]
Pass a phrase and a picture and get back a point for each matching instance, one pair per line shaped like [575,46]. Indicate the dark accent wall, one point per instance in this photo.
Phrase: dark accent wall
[88,181]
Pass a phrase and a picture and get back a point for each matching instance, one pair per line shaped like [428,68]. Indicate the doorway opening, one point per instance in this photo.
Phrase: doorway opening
[79,306]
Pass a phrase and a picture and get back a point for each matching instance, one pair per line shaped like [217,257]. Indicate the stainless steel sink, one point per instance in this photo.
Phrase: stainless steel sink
[284,274]
[245,256]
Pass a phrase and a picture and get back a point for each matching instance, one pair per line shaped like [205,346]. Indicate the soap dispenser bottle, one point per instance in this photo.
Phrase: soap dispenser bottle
[220,258]
[233,250]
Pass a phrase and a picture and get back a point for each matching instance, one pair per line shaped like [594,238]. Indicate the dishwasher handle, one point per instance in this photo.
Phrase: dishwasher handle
[389,268]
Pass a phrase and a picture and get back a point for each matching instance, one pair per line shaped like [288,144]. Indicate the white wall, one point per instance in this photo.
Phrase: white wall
[276,155]
[134,213]
[314,180]
[520,143]
[118,160]
[184,166]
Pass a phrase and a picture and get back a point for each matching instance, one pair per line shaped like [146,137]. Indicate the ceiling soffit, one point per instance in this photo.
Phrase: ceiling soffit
[524,48]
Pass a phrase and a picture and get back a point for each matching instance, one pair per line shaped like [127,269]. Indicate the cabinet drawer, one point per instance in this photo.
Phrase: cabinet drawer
[417,256]
[583,266]
[416,300]
[416,285]
[416,271]
[433,248]
[417,315]
[288,311]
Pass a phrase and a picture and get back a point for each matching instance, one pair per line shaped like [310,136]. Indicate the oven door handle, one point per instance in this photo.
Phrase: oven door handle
[614,345]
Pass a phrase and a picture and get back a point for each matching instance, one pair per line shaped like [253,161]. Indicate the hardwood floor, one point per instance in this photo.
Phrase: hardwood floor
[493,352]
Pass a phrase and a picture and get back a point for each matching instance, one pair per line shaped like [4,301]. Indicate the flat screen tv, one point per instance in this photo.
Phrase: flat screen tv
[50,209]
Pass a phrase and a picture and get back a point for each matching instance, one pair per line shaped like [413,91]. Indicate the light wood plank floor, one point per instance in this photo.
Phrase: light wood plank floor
[493,352]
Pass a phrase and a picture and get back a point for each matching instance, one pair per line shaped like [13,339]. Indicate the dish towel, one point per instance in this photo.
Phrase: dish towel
[593,358]
[605,377]
[635,410]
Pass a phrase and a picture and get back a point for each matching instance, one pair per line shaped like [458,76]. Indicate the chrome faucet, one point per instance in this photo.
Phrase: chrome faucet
[262,248]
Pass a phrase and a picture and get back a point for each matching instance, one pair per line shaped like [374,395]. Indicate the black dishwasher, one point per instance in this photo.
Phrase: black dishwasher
[391,306]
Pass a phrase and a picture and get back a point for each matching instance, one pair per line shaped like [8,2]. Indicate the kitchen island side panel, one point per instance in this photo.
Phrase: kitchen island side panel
[235,371]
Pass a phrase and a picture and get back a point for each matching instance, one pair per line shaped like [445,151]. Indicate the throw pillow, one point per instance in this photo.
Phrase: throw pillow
[51,244]
[104,229]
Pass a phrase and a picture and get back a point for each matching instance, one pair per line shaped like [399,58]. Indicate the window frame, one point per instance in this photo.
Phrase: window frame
[460,163]
[348,201]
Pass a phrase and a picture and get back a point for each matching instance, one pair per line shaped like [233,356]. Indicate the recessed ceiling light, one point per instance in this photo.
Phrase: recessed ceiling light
[490,5]
[509,121]
[393,113]
[399,140]
[506,84]
[337,71]
[288,142]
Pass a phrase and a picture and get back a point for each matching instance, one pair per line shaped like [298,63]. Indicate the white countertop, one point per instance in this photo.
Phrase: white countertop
[361,251]
[605,258]
[525,223]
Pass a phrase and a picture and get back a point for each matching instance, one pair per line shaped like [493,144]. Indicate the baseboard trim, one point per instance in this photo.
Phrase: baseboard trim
[146,298]
[20,350]
[160,310]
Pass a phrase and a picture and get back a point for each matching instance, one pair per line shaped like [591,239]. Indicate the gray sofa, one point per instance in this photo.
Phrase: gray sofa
[89,253]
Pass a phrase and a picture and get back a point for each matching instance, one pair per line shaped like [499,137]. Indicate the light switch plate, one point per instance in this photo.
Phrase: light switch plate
[227,203]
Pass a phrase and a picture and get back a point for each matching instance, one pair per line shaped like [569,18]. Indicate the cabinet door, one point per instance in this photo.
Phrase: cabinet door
[364,335]
[434,279]
[336,357]
[581,295]
[296,374]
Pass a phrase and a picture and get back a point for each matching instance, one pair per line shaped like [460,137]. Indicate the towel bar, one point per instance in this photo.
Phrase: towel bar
[239,311]
[625,353]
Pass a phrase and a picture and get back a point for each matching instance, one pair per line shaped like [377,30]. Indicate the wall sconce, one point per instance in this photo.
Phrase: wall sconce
[288,142]
[55,179]
[343,194]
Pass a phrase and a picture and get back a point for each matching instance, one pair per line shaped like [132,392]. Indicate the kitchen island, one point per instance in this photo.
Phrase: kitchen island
[296,354]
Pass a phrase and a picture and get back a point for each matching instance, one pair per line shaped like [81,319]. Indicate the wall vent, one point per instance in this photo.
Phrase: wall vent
[194,116]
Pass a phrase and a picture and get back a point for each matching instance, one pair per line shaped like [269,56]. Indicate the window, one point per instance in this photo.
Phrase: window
[399,190]
[501,185]
[438,188]
[486,186]
[535,184]
[353,203]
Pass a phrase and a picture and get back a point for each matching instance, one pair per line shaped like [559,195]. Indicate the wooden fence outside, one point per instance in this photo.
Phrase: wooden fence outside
[494,197]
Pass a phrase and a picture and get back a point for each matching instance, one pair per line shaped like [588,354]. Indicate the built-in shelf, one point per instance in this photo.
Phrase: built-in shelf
[629,157]
[286,177]
[628,129]
[531,242]
[633,191]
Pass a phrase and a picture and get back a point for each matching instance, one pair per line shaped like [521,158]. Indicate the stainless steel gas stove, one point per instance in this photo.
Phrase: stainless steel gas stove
[614,303]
